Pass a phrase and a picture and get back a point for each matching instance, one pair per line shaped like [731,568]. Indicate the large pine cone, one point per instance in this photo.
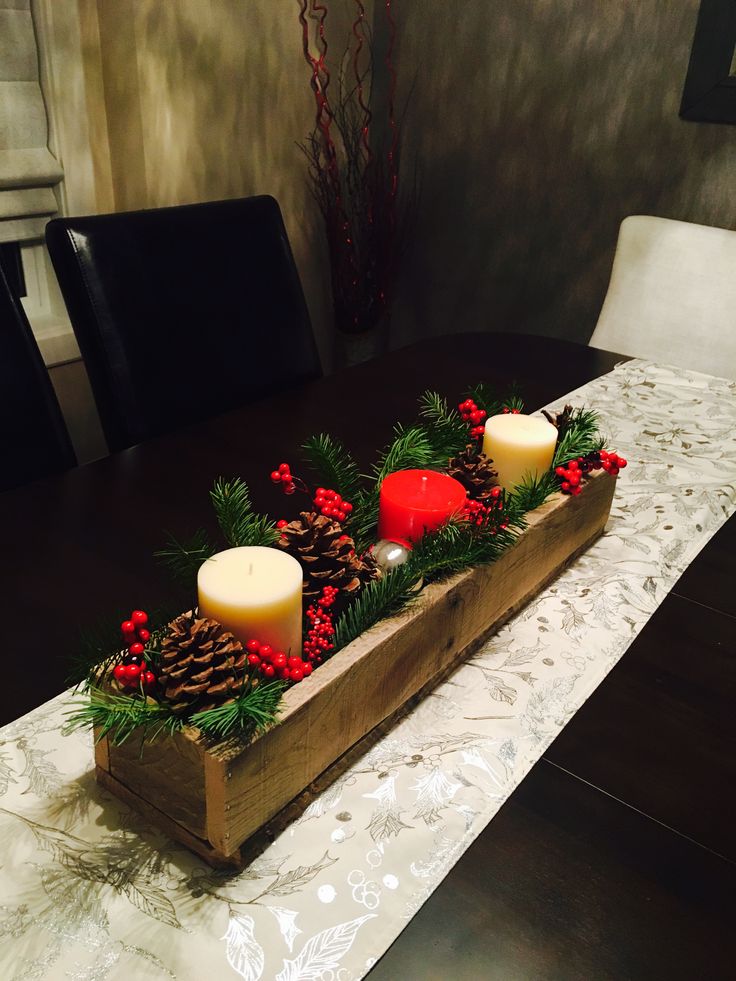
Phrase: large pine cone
[475,472]
[327,555]
[202,664]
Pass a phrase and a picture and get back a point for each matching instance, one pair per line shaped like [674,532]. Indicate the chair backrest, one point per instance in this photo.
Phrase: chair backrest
[182,313]
[33,436]
[672,295]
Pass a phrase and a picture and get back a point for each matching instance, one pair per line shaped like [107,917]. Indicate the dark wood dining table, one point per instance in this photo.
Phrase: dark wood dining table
[615,858]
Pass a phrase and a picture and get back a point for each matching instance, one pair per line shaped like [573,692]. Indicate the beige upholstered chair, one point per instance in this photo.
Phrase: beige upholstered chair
[672,295]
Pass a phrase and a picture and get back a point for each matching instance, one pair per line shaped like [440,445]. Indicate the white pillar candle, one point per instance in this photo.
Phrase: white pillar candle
[520,447]
[256,593]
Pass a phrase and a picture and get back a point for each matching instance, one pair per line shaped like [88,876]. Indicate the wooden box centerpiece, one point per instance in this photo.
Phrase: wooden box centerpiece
[213,797]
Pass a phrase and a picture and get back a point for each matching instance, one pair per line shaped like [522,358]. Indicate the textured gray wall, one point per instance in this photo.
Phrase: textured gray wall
[538,126]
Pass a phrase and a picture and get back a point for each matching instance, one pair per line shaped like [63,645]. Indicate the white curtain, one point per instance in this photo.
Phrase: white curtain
[28,170]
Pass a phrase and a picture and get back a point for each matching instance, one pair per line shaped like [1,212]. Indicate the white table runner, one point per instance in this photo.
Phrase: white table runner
[89,892]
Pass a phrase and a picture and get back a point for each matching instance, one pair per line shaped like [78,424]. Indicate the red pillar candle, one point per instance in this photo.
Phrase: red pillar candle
[415,501]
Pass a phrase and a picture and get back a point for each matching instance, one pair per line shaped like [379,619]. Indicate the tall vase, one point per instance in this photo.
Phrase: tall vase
[351,349]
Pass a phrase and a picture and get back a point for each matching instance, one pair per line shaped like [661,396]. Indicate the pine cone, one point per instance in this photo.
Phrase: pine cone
[474,470]
[561,420]
[327,555]
[202,664]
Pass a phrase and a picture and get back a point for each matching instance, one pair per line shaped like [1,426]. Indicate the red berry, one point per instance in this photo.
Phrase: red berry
[281,523]
[266,651]
[139,618]
[275,476]
[149,678]
[253,646]
[565,486]
[132,672]
[136,648]
[307,669]
[294,662]
[268,670]
[284,468]
[119,672]
[561,472]
[128,627]
[289,488]
[279,659]
[296,674]
[574,478]
[622,463]
[144,635]
[347,507]
[576,490]
[254,660]
[285,478]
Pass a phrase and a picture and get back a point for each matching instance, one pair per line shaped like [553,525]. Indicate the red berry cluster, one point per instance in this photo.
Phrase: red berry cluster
[331,505]
[508,410]
[276,664]
[573,473]
[473,416]
[133,671]
[611,462]
[318,642]
[479,513]
[284,477]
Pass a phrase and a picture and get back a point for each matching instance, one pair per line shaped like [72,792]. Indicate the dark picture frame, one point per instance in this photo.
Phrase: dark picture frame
[710,86]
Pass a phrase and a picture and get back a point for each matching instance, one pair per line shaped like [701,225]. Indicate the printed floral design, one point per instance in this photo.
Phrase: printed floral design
[90,892]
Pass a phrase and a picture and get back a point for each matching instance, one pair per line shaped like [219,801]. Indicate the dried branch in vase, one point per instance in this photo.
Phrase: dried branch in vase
[353,155]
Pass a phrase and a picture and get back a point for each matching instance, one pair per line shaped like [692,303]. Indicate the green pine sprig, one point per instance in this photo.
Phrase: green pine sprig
[239,523]
[253,711]
[411,448]
[533,492]
[445,429]
[581,436]
[119,716]
[183,559]
[486,397]
[376,601]
[334,465]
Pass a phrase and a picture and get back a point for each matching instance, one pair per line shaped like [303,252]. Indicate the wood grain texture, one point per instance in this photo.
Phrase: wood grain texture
[168,774]
[661,732]
[355,691]
[568,884]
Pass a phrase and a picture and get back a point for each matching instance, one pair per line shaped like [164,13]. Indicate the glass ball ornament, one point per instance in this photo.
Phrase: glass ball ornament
[389,555]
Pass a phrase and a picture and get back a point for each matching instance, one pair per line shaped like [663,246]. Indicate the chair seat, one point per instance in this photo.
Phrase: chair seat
[672,295]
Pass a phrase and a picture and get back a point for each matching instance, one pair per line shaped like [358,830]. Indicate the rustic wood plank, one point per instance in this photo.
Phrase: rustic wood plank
[170,827]
[169,774]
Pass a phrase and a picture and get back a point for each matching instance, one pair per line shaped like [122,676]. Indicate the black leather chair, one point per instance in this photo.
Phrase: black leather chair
[33,436]
[183,313]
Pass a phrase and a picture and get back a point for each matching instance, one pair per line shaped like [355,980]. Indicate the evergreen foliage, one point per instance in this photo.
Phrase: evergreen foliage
[239,523]
[334,465]
[183,559]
